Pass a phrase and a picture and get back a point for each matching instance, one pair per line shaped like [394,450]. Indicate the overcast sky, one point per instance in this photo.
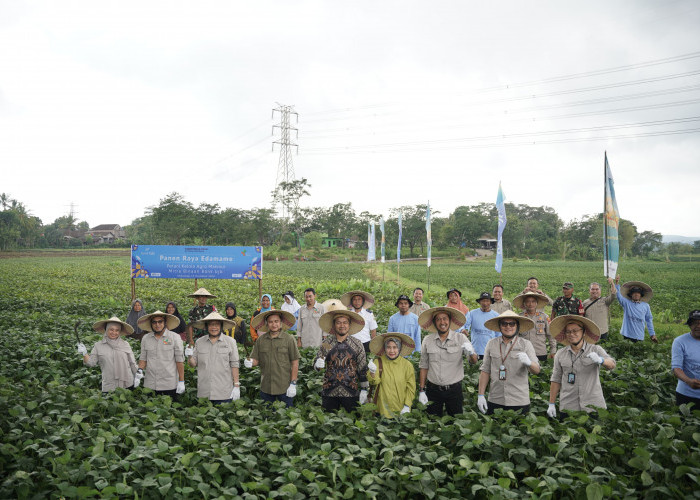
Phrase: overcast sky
[113,105]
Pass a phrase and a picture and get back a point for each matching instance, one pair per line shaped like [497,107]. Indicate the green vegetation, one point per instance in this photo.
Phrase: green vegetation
[62,438]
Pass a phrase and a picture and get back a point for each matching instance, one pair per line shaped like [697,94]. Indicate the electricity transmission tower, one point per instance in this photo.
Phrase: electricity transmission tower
[285,166]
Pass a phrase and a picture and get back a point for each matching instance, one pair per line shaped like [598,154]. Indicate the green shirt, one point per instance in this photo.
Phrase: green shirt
[275,356]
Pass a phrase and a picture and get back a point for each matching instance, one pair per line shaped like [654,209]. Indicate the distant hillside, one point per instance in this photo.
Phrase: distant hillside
[670,238]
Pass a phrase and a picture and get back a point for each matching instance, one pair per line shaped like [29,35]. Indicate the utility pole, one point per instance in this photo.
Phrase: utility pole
[285,166]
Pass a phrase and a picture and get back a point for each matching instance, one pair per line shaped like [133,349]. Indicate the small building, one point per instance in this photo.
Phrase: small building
[107,233]
[330,242]
[488,242]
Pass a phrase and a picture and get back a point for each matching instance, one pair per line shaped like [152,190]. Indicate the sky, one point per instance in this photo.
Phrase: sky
[110,106]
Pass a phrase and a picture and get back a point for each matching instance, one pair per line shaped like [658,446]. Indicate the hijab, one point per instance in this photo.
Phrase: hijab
[133,317]
[396,341]
[263,309]
[181,327]
[120,356]
[292,307]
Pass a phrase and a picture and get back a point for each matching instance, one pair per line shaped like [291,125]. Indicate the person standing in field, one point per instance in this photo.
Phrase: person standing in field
[539,336]
[405,321]
[290,304]
[161,355]
[277,355]
[475,321]
[441,364]
[533,285]
[181,329]
[454,300]
[634,297]
[597,308]
[200,311]
[113,354]
[343,359]
[576,373]
[685,363]
[238,330]
[360,302]
[500,305]
[392,379]
[265,305]
[567,303]
[508,360]
[132,319]
[309,332]
[216,359]
[418,306]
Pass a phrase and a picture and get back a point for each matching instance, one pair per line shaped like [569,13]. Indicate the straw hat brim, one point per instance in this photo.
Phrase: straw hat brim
[376,345]
[648,292]
[100,326]
[591,331]
[346,298]
[202,292]
[333,305]
[525,323]
[519,300]
[357,322]
[259,322]
[457,319]
[213,316]
[171,322]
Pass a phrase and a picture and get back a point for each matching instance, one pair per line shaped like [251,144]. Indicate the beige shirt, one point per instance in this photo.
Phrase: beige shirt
[443,360]
[308,329]
[515,389]
[598,312]
[501,306]
[586,389]
[539,336]
[103,354]
[417,309]
[160,356]
[214,363]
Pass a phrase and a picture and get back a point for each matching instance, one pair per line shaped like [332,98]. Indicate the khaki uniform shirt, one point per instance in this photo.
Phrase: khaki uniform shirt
[598,312]
[275,356]
[501,306]
[308,328]
[539,336]
[214,364]
[103,354]
[586,389]
[417,309]
[443,360]
[515,389]
[160,357]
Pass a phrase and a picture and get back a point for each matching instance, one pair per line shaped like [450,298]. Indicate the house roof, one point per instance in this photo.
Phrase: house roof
[105,227]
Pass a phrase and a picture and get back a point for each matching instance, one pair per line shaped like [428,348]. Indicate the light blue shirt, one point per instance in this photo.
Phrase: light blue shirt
[480,335]
[636,314]
[407,324]
[685,354]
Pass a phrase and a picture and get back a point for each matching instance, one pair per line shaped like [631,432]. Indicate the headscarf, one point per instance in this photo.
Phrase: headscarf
[133,317]
[292,307]
[232,306]
[120,356]
[263,309]
[181,327]
[395,340]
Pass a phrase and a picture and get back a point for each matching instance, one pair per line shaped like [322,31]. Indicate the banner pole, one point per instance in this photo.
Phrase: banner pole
[133,290]
[259,289]
[428,279]
[605,222]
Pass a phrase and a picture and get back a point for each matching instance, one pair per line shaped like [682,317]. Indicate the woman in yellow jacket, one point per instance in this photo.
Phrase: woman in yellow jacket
[391,377]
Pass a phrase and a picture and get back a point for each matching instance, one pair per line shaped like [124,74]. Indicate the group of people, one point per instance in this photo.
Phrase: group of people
[510,346]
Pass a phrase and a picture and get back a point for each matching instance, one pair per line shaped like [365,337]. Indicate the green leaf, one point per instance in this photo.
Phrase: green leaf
[185,459]
[646,479]
[594,491]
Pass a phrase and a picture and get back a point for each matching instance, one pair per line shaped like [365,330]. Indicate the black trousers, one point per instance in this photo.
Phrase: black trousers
[631,340]
[444,398]
[543,358]
[170,393]
[366,346]
[682,399]
[332,404]
[493,407]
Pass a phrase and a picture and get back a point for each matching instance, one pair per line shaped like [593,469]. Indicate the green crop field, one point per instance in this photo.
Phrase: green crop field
[62,438]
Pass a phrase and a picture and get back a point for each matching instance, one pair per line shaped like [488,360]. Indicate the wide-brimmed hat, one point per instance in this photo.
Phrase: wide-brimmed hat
[457,319]
[100,326]
[453,290]
[346,298]
[357,322]
[519,300]
[213,316]
[259,322]
[591,331]
[171,322]
[202,292]
[485,295]
[333,305]
[376,345]
[524,323]
[404,297]
[647,292]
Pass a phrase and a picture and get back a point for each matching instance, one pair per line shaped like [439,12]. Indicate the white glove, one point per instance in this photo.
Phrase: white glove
[552,410]
[595,357]
[180,387]
[320,363]
[468,348]
[524,359]
[422,398]
[82,349]
[138,377]
[236,393]
[291,390]
[363,396]
[482,404]
[189,351]
[405,409]
[372,367]
[248,363]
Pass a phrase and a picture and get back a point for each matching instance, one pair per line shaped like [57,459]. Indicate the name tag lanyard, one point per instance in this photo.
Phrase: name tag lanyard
[571,377]
[502,368]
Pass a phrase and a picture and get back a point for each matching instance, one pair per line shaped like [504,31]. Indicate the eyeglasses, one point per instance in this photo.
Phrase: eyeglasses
[509,323]
[157,321]
[567,332]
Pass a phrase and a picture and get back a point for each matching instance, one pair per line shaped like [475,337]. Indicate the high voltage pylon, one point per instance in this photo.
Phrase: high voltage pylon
[285,166]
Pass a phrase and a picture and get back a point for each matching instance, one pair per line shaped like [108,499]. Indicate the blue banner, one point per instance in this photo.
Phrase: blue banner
[428,232]
[612,220]
[373,244]
[189,262]
[398,247]
[381,228]
[500,205]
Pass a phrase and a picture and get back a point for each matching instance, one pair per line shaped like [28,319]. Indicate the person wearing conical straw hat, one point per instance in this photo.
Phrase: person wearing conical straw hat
[507,361]
[533,285]
[216,359]
[276,353]
[576,373]
[309,332]
[539,336]
[634,297]
[113,354]
[360,302]
[392,378]
[441,365]
[343,359]
[161,355]
[200,311]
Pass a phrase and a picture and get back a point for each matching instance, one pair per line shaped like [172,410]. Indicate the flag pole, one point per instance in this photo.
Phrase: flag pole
[605,225]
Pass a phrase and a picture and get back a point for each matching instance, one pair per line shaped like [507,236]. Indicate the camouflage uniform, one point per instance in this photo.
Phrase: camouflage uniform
[563,306]
[197,313]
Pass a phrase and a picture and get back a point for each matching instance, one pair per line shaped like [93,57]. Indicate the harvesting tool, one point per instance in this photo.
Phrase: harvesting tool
[75,329]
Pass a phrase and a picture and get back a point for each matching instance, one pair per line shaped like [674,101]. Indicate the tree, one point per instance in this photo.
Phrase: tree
[287,195]
[173,219]
[627,232]
[647,242]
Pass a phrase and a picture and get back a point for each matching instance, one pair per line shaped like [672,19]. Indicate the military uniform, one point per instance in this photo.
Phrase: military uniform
[563,306]
[198,313]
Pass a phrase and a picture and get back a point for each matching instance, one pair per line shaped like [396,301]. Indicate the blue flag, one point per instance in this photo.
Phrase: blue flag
[373,246]
[500,205]
[428,232]
[369,242]
[398,247]
[381,228]
[611,241]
